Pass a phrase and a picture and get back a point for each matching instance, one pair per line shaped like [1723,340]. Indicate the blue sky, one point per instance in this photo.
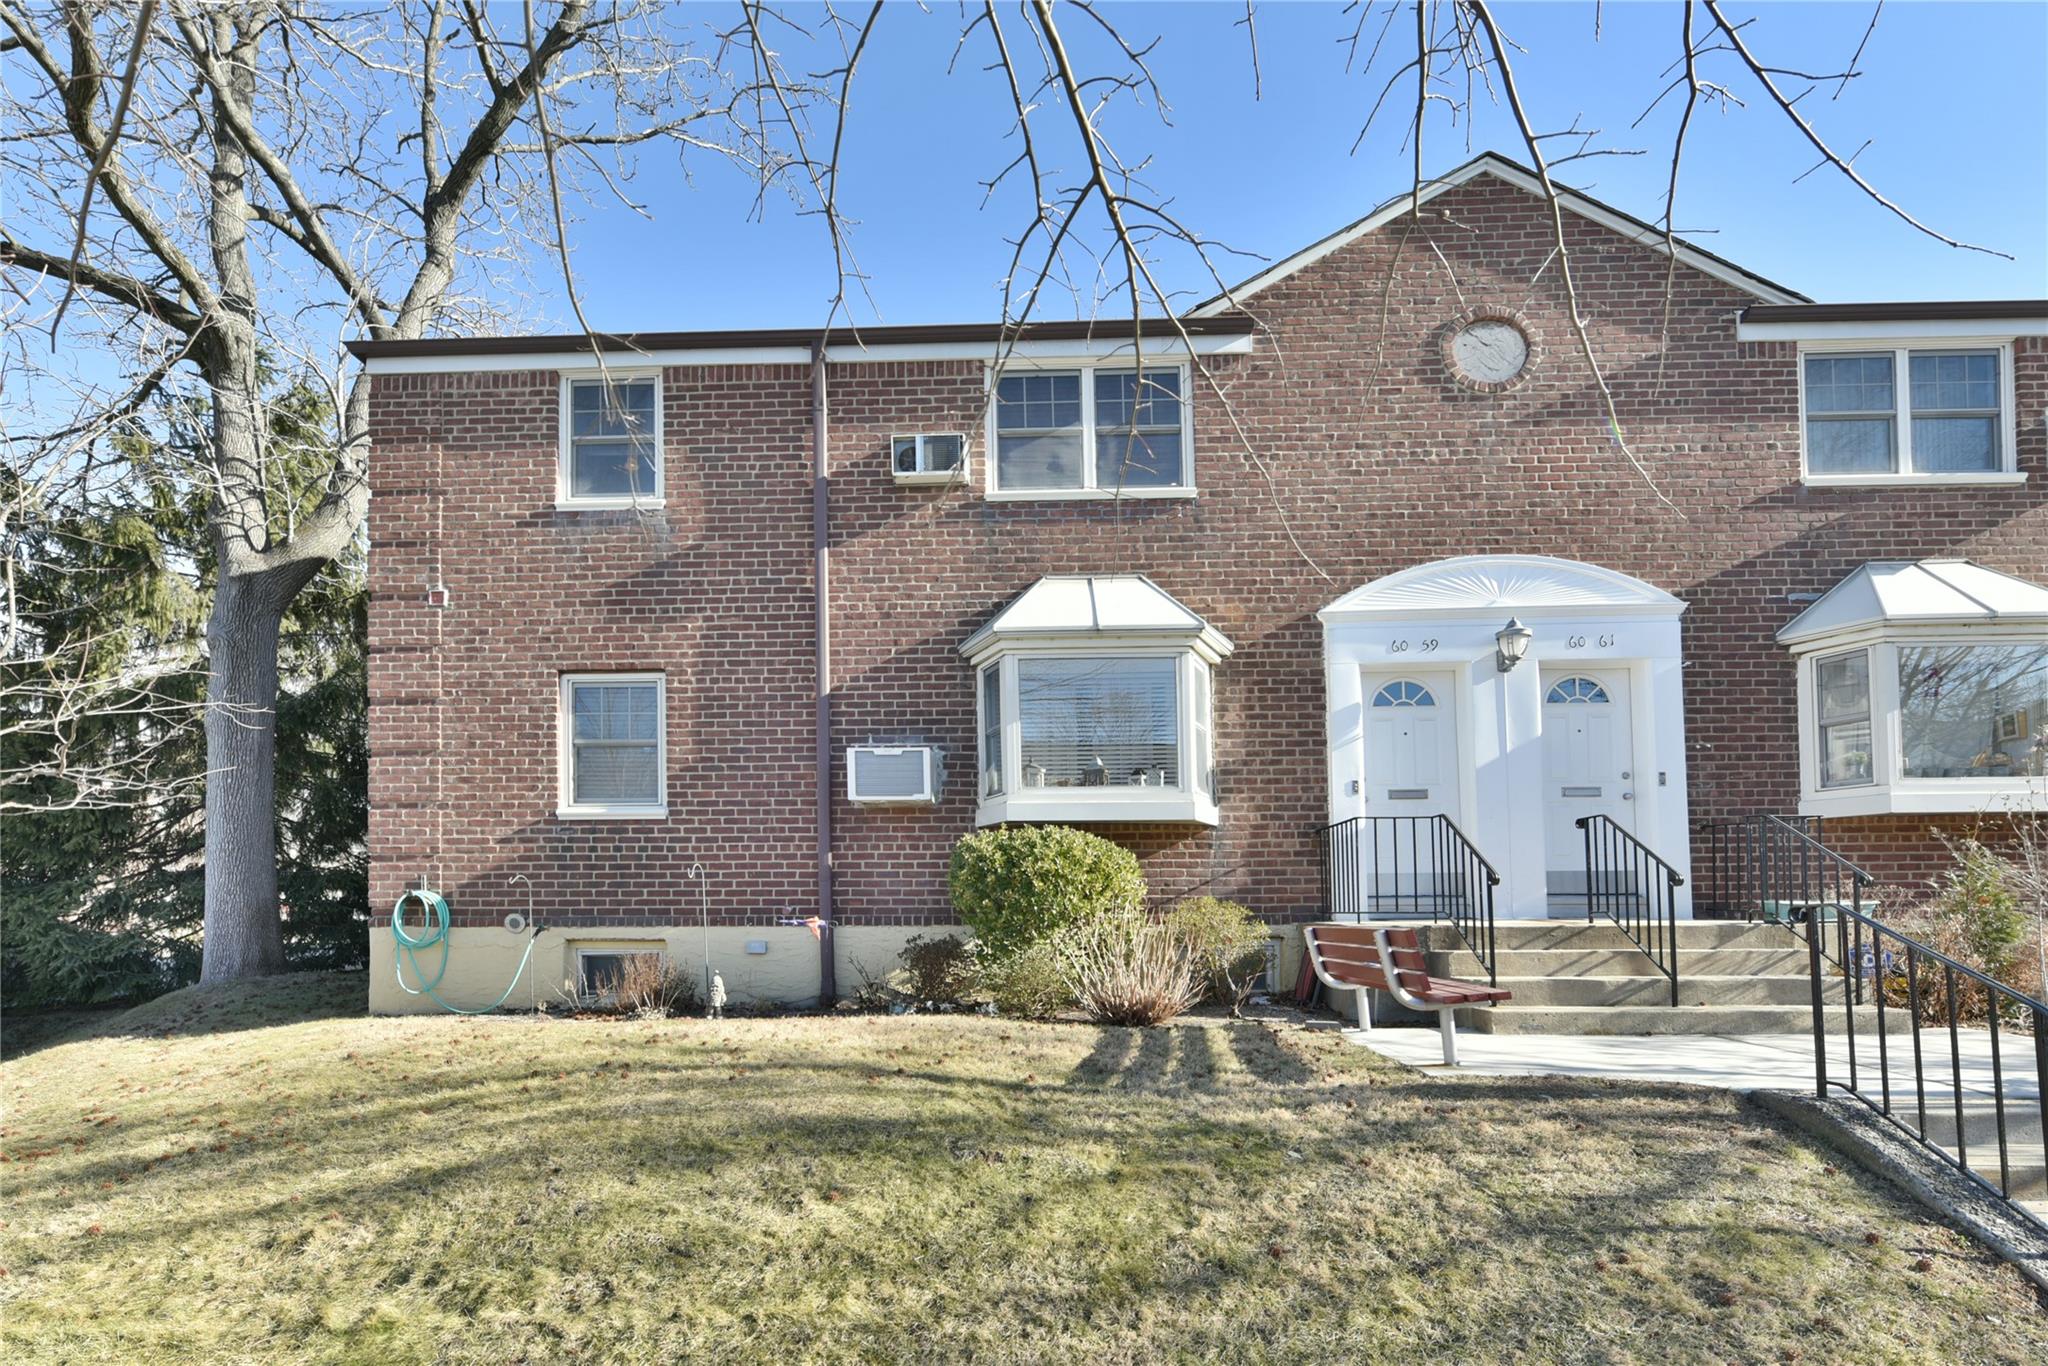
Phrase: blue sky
[1954,104]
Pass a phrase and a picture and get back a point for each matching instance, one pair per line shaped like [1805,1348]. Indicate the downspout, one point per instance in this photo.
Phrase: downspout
[821,557]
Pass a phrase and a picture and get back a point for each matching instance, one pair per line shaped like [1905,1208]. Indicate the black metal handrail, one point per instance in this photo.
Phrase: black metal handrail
[1725,883]
[1796,873]
[1408,866]
[1631,885]
[1867,967]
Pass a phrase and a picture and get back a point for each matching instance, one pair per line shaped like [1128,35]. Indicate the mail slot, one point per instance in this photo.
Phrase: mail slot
[1582,792]
[1407,794]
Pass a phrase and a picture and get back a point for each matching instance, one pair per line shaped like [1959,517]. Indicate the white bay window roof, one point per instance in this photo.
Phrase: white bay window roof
[1094,699]
[1923,687]
[1918,593]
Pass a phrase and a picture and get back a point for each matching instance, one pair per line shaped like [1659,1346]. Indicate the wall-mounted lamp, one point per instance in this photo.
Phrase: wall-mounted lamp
[1510,643]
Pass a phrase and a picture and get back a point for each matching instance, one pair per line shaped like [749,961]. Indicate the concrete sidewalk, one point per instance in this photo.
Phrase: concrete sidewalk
[1748,1062]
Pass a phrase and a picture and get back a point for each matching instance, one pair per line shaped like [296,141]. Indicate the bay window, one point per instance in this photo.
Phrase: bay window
[1090,431]
[1093,702]
[1906,413]
[1923,686]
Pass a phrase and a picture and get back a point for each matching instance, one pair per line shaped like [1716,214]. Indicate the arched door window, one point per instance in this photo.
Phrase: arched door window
[1576,689]
[1404,693]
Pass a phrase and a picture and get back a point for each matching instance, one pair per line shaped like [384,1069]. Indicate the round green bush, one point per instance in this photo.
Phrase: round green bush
[1018,885]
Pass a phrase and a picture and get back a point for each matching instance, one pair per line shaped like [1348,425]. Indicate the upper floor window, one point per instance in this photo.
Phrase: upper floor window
[611,441]
[1905,414]
[1090,431]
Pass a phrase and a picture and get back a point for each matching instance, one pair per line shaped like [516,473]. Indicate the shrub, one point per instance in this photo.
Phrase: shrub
[651,984]
[1976,916]
[1124,969]
[1027,984]
[1019,885]
[937,971]
[1231,944]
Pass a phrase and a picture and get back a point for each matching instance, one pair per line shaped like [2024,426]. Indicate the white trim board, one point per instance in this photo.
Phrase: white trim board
[1501,168]
[849,353]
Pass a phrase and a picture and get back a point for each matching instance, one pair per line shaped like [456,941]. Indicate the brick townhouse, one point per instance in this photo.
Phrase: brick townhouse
[1355,544]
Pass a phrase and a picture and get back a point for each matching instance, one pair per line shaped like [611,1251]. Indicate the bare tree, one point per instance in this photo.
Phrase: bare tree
[203,193]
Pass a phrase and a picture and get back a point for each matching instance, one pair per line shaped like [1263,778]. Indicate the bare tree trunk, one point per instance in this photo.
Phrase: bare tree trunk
[244,936]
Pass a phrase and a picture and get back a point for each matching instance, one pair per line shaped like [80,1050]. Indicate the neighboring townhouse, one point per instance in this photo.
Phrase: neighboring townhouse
[1207,596]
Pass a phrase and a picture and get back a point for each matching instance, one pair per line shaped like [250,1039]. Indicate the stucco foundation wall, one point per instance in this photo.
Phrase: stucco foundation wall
[482,960]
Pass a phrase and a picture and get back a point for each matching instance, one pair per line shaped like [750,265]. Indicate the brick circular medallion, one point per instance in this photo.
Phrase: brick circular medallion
[1490,350]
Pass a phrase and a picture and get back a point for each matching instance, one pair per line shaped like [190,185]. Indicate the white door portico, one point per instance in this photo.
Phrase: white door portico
[1599,634]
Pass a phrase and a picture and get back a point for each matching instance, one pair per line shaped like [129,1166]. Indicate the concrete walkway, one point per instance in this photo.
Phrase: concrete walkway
[1749,1062]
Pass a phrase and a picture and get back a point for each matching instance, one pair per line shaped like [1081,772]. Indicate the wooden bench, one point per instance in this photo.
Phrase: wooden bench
[1355,958]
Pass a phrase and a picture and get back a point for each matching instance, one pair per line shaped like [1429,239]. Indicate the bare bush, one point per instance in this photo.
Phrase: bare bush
[1126,970]
[1979,915]
[650,984]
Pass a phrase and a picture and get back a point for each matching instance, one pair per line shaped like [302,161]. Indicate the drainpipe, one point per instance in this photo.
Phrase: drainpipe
[821,557]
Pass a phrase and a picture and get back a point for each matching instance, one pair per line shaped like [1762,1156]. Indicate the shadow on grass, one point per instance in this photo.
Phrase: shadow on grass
[253,1003]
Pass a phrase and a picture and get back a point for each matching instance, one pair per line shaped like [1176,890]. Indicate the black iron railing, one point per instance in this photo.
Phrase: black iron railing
[1993,1100]
[1796,874]
[1725,883]
[1410,867]
[1629,884]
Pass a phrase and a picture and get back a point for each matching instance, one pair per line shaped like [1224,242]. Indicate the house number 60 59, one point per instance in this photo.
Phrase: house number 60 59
[1424,646]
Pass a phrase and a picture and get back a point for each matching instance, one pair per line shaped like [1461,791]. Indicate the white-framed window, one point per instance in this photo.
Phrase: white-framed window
[1926,721]
[1090,431]
[614,745]
[610,440]
[601,971]
[1911,413]
[1112,734]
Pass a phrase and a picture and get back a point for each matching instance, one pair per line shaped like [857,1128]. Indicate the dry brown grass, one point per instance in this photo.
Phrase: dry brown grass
[924,1188]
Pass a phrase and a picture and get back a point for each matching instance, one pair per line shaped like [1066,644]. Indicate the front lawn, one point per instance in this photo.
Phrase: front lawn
[202,1183]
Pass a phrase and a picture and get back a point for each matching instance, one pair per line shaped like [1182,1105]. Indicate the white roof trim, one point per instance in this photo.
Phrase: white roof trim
[1108,348]
[1098,608]
[1499,167]
[1919,593]
[1912,329]
[1494,585]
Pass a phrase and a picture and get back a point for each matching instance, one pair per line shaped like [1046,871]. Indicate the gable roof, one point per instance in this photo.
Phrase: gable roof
[1526,180]
[1103,605]
[1919,593]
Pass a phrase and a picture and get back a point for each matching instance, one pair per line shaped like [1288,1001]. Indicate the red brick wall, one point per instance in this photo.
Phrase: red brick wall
[1365,459]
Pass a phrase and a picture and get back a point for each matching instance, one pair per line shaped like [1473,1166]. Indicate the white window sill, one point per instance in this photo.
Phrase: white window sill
[611,813]
[607,504]
[1911,481]
[1960,797]
[1072,805]
[1081,495]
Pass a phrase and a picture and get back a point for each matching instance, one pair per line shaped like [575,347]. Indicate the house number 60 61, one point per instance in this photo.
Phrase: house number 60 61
[1579,642]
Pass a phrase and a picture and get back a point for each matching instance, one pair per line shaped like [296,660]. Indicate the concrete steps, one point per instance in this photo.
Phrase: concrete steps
[1572,977]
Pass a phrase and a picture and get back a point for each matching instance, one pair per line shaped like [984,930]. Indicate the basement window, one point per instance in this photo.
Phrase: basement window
[613,746]
[611,441]
[600,972]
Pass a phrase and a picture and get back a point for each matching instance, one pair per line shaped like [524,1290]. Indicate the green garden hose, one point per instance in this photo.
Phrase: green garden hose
[408,947]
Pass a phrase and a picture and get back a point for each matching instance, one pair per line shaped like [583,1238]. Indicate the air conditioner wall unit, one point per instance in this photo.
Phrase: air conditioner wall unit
[929,458]
[894,775]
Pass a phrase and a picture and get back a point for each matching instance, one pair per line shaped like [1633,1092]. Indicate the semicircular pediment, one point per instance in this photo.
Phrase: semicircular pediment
[1501,582]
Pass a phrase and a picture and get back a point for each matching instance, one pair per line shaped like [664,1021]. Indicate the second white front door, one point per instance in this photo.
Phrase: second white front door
[1588,764]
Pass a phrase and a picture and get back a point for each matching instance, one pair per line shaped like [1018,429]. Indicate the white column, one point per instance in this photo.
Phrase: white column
[1665,777]
[1524,889]
[1344,696]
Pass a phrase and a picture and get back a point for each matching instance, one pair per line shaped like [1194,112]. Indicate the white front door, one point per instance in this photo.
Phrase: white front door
[1411,774]
[1588,764]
